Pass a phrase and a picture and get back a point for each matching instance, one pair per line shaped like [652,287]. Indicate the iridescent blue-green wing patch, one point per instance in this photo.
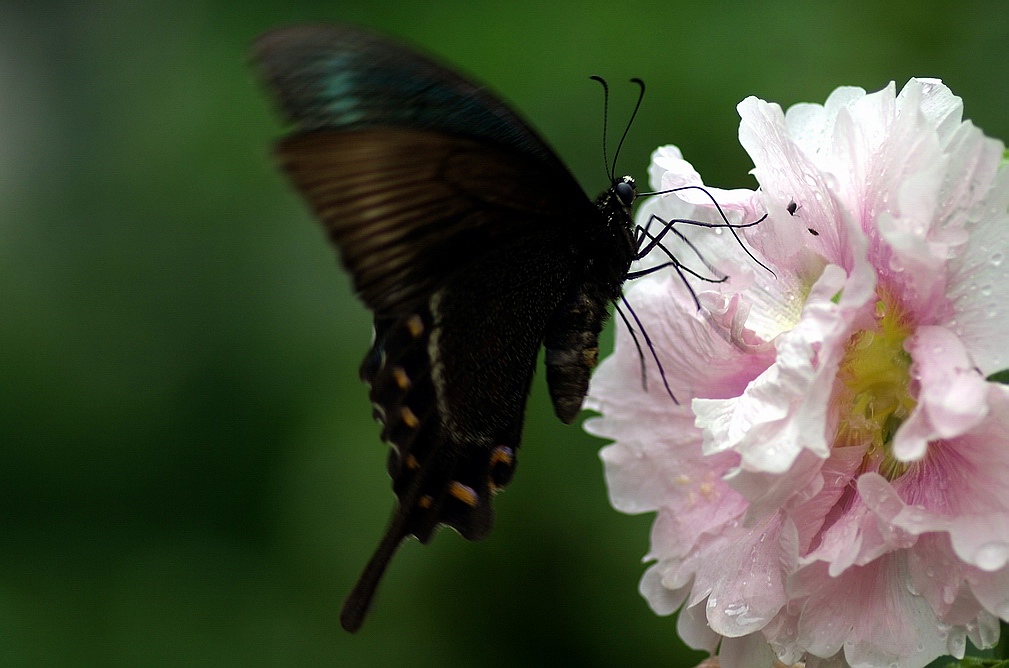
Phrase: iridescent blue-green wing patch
[343,77]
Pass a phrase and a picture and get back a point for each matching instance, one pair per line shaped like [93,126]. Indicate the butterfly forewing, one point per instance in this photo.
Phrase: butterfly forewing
[407,208]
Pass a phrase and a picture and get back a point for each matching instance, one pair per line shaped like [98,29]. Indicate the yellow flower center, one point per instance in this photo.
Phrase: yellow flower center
[873,399]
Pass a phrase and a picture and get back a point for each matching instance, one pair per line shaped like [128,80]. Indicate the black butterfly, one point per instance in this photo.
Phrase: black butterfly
[472,244]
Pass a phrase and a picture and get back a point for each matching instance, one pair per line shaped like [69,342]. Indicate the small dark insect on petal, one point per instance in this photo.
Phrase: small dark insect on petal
[813,232]
[792,208]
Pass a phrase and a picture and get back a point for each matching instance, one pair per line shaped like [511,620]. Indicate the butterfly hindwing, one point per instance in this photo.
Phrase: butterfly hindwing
[449,383]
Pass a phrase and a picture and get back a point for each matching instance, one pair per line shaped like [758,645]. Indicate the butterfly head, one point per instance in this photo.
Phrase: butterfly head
[625,190]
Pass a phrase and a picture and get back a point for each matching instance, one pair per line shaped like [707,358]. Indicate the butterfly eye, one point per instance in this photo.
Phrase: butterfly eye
[625,192]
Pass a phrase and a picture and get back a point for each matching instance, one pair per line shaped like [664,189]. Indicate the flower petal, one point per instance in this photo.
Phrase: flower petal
[870,612]
[952,398]
[783,411]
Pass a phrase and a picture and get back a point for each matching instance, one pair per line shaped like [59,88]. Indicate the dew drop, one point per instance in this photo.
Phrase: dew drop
[986,290]
[996,259]
[992,556]
[989,634]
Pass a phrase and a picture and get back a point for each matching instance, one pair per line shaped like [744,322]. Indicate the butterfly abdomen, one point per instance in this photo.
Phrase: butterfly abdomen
[572,349]
[572,333]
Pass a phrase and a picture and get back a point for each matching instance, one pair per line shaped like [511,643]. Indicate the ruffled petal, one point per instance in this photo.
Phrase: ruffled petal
[952,396]
[870,613]
[979,280]
[783,411]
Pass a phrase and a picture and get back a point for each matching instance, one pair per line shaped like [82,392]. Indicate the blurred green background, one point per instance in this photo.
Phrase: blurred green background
[189,473]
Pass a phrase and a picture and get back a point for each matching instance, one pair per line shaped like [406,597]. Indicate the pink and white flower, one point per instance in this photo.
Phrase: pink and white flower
[833,486]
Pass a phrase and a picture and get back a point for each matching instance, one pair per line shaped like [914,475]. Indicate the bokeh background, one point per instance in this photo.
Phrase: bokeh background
[189,473]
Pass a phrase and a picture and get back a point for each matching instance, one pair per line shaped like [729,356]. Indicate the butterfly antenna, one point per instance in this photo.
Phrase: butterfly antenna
[606,115]
[641,96]
[637,344]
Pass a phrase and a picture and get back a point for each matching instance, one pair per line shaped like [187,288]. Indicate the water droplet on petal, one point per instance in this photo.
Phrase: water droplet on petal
[996,259]
[992,556]
[736,610]
[986,290]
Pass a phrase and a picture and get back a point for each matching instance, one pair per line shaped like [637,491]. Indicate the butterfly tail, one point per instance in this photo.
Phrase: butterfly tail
[358,602]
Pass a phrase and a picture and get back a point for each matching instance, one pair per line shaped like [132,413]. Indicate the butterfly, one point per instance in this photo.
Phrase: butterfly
[473,246]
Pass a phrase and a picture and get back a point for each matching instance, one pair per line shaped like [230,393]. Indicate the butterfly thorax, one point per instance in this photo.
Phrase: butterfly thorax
[613,242]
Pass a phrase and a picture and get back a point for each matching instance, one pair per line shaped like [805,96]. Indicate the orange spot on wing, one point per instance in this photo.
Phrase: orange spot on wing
[409,418]
[415,325]
[465,494]
[402,380]
[501,455]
